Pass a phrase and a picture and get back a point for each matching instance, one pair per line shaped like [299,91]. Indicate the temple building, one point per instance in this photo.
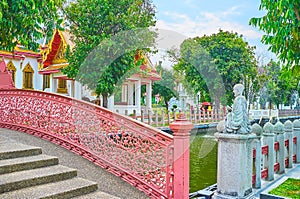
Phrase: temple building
[42,71]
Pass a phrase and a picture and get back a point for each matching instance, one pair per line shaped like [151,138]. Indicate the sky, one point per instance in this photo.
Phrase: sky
[179,19]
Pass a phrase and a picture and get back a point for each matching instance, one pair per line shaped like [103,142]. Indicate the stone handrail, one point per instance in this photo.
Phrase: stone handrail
[277,148]
[136,152]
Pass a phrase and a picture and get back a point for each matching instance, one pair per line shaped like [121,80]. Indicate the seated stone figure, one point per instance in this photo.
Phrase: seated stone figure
[237,119]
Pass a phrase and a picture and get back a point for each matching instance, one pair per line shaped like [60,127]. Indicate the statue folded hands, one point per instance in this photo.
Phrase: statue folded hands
[237,117]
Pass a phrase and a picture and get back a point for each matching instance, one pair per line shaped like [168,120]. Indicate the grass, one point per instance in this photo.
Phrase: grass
[290,188]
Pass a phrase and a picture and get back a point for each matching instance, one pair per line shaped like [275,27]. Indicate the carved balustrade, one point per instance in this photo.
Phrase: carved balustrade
[278,148]
[138,153]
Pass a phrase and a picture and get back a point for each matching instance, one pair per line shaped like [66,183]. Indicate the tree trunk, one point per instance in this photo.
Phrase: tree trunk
[167,105]
[105,100]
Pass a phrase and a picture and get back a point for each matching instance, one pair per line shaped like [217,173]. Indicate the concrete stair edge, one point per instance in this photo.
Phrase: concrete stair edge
[26,163]
[22,179]
[63,189]
[15,150]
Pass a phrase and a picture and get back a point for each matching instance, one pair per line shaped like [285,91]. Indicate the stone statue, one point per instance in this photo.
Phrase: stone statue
[237,117]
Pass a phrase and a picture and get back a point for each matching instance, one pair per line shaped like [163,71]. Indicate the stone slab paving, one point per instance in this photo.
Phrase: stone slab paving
[109,185]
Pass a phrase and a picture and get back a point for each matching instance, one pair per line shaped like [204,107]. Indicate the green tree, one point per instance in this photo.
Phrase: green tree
[165,86]
[214,64]
[279,86]
[281,25]
[105,45]
[26,22]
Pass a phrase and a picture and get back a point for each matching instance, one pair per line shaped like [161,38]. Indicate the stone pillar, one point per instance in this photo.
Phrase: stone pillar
[296,132]
[111,103]
[77,90]
[288,128]
[138,88]
[149,96]
[257,145]
[181,166]
[124,93]
[235,163]
[130,93]
[269,159]
[279,130]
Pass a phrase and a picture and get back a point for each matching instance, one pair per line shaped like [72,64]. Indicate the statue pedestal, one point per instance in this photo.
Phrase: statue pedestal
[234,165]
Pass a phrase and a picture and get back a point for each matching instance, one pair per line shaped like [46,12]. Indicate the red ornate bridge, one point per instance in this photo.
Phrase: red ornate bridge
[139,154]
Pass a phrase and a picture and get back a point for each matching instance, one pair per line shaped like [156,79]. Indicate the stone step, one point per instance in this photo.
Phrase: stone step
[26,163]
[22,179]
[62,189]
[15,150]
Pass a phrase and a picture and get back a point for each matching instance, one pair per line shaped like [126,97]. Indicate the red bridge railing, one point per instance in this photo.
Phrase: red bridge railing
[137,153]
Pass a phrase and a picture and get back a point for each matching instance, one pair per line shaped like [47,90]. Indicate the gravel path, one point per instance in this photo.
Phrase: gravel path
[107,182]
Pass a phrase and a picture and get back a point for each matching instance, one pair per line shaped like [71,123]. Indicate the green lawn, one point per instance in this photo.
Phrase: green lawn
[290,188]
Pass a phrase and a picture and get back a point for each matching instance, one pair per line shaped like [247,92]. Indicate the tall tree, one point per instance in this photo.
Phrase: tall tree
[216,63]
[281,25]
[107,39]
[165,87]
[26,22]
[279,86]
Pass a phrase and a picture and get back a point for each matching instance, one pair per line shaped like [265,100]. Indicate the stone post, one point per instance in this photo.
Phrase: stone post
[278,130]
[257,145]
[268,139]
[235,163]
[181,131]
[296,131]
[288,128]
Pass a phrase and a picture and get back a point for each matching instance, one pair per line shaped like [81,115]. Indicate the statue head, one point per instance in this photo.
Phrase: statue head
[238,89]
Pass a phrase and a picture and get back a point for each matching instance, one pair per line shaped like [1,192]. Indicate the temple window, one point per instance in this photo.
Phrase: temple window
[62,86]
[11,67]
[46,81]
[28,77]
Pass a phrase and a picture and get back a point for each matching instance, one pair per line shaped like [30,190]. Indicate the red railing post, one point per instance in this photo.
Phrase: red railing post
[256,129]
[296,131]
[269,159]
[6,81]
[279,130]
[181,166]
[288,128]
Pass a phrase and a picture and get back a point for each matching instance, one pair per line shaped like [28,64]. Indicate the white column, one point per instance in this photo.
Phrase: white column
[53,84]
[77,90]
[124,93]
[149,95]
[111,102]
[138,96]
[130,93]
[72,88]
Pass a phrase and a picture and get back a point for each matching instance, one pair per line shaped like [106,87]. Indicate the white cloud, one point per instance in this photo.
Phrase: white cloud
[206,23]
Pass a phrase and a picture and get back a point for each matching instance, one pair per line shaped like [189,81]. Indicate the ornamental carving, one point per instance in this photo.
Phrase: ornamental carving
[140,155]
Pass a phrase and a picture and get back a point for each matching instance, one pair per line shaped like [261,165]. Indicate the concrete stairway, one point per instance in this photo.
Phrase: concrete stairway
[26,173]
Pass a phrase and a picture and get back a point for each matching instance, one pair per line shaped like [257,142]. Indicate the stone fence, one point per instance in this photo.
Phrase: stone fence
[159,117]
[244,160]
[276,148]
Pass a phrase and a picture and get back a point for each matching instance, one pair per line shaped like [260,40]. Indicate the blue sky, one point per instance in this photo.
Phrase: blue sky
[192,18]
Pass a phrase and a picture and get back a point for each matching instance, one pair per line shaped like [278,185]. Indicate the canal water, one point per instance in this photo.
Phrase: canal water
[203,159]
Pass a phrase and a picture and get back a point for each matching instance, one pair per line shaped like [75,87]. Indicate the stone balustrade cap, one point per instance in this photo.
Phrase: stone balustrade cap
[257,129]
[278,128]
[268,129]
[288,125]
[296,124]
